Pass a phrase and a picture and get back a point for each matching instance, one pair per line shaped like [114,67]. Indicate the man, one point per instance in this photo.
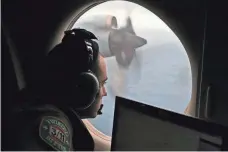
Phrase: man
[49,118]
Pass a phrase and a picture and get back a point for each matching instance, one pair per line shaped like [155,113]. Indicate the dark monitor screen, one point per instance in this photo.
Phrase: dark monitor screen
[140,127]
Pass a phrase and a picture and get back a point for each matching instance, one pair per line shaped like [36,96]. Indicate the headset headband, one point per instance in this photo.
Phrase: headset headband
[84,37]
[80,34]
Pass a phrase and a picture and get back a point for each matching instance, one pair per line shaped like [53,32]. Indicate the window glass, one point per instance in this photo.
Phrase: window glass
[149,65]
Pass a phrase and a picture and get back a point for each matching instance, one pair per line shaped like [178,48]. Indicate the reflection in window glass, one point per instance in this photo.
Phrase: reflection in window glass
[157,73]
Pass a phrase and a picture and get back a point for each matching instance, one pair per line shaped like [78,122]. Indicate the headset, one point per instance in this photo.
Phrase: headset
[87,84]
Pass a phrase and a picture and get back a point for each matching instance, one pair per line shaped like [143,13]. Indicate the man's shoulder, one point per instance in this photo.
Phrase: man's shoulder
[45,127]
[56,132]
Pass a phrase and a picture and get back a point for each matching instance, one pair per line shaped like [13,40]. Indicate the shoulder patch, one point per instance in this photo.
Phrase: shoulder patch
[55,133]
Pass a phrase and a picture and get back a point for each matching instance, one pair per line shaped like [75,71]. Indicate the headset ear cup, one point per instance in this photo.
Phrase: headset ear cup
[87,88]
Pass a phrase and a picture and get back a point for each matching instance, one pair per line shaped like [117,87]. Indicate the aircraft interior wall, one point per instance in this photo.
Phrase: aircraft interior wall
[9,86]
[215,68]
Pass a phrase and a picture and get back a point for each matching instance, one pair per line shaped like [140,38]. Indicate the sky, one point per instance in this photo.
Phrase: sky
[143,20]
[139,13]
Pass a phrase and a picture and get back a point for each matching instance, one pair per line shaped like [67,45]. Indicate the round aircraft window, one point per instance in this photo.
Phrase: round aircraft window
[145,60]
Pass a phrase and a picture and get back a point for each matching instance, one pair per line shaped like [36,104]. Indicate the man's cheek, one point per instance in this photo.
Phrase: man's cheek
[100,91]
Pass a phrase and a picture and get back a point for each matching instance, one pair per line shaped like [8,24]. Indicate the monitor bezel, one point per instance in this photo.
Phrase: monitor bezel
[203,126]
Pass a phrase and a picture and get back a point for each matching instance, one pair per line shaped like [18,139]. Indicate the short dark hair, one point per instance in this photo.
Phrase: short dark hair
[65,62]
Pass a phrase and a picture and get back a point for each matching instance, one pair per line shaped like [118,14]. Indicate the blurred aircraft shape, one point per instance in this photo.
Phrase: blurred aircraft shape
[113,41]
[118,42]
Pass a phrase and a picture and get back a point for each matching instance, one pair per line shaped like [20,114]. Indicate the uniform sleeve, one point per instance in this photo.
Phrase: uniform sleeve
[55,132]
[43,133]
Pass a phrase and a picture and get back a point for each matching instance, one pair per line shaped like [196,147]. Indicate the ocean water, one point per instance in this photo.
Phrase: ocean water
[159,76]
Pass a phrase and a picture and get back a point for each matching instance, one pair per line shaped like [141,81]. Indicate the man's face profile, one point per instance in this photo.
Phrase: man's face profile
[102,79]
